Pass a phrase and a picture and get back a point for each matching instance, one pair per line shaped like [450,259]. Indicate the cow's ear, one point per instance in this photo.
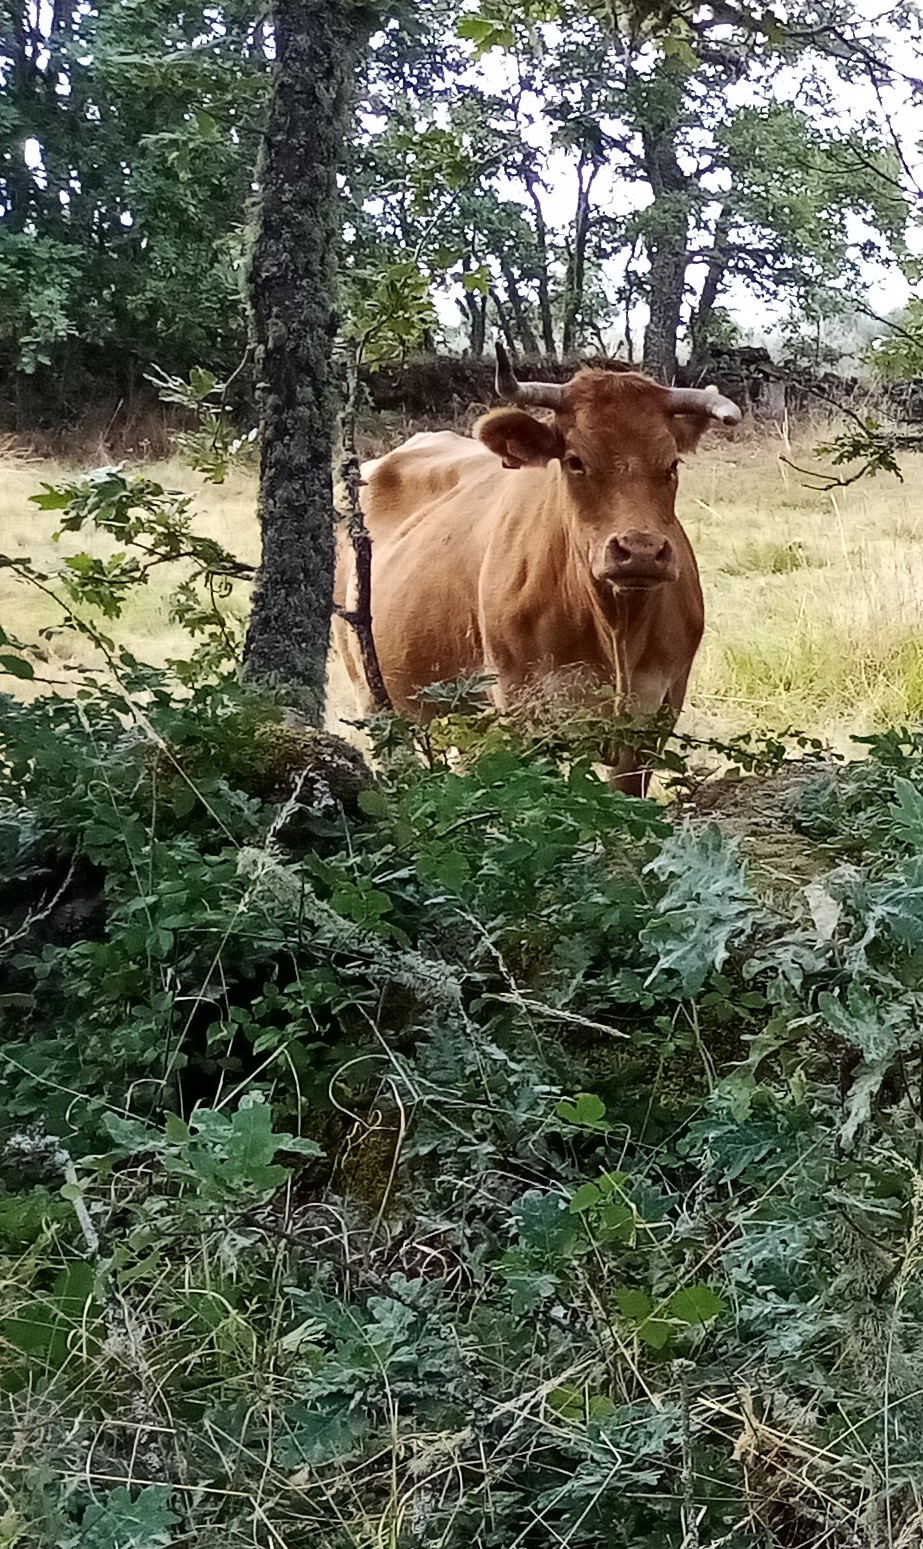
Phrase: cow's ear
[519,440]
[688,430]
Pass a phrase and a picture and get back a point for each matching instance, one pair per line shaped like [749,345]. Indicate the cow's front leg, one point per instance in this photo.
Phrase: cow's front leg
[650,714]
[630,774]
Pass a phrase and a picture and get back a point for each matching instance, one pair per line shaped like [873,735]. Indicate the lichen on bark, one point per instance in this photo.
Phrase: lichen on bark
[293,302]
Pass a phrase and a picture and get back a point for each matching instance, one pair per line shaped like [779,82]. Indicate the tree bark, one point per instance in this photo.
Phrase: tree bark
[503,318]
[19,190]
[668,220]
[714,277]
[666,281]
[474,308]
[576,268]
[293,291]
[541,242]
[526,332]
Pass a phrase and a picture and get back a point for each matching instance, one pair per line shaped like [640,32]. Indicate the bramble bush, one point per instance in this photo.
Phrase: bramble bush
[467,1155]
[480,1158]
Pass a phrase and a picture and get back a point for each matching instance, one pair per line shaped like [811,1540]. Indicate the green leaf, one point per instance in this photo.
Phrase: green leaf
[207,128]
[907,812]
[17,667]
[478,280]
[633,1304]
[678,48]
[485,34]
[694,1304]
[301,1145]
[52,498]
[374,804]
[127,1521]
[654,1333]
[590,1109]
[449,870]
[616,1222]
[528,1289]
[584,1197]
[320,1436]
[706,905]
[567,1401]
[546,1224]
[585,1110]
[46,1328]
[636,1308]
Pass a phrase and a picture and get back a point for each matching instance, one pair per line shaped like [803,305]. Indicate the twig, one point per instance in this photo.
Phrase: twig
[690,1525]
[360,618]
[33,917]
[826,481]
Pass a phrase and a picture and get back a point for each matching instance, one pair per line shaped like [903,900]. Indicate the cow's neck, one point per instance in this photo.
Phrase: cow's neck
[627,619]
[619,619]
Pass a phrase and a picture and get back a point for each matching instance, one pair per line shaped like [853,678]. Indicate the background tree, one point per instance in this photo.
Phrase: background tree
[787,223]
[128,136]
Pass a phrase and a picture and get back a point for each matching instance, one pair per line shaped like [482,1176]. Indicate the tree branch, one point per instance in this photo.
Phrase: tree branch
[360,618]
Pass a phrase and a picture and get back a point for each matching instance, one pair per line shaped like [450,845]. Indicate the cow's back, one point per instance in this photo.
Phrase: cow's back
[429,506]
[407,484]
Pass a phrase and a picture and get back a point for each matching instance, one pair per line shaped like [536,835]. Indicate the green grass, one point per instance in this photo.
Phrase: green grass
[814,600]
[773,559]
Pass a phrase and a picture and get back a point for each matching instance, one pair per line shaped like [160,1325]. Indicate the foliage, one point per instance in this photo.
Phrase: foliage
[899,353]
[212,444]
[481,1157]
[155,525]
[130,137]
[533,165]
[865,442]
[790,201]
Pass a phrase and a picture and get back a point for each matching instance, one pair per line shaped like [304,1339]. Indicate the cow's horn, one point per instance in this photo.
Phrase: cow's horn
[541,395]
[703,400]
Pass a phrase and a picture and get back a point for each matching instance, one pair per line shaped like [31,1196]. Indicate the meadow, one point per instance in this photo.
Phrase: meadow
[814,598]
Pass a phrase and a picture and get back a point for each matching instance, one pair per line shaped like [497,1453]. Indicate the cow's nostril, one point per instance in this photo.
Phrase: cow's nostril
[637,557]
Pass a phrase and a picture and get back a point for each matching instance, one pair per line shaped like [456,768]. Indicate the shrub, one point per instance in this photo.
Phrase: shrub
[473,1159]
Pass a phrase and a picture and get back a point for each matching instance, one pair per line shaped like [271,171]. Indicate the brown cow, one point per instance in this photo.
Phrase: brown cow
[540,548]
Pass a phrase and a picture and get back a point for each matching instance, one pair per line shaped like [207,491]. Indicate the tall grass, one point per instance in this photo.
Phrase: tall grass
[814,600]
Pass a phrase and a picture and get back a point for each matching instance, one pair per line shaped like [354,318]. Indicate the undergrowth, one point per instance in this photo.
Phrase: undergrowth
[467,1156]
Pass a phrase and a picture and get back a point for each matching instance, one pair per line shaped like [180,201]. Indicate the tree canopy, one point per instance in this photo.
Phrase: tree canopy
[567,172]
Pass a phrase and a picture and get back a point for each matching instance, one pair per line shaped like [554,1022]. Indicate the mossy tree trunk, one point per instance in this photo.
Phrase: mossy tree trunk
[659,102]
[293,300]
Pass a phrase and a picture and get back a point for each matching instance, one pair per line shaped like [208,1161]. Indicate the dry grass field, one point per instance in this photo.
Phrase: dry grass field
[815,600]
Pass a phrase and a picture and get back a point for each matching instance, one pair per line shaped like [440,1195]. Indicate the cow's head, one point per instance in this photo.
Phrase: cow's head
[617,438]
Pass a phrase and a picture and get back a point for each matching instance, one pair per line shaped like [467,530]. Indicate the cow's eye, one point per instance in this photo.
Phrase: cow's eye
[572,463]
[673,473]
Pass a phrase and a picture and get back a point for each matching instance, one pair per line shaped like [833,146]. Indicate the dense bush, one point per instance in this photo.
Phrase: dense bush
[469,1157]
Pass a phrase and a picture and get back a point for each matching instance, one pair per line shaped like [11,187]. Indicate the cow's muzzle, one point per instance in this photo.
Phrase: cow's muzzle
[636,560]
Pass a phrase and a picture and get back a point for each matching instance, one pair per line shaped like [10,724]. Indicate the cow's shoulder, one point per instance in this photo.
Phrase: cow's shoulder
[431,464]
